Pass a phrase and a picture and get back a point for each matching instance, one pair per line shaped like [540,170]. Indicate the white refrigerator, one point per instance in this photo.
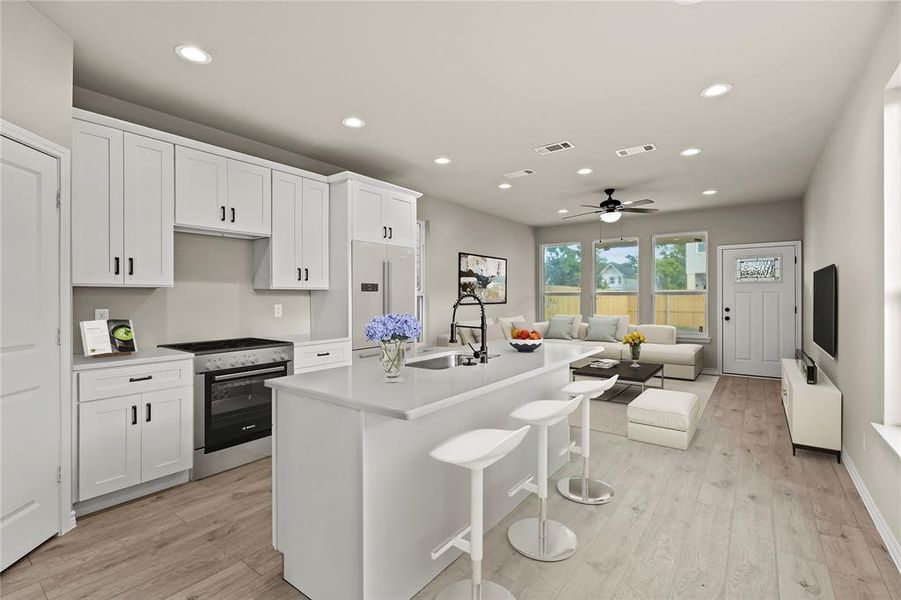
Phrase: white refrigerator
[383,281]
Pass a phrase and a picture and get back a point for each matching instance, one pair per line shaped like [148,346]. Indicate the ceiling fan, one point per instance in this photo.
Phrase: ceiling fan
[611,209]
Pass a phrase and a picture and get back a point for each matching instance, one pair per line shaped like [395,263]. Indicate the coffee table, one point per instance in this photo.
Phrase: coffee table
[628,375]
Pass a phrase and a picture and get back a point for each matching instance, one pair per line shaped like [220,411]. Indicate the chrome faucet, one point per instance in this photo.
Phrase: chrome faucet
[482,353]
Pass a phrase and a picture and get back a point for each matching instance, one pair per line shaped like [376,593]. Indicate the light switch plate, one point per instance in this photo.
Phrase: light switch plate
[101,314]
[277,310]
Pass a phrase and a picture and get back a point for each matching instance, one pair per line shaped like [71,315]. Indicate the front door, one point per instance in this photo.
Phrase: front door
[29,354]
[758,318]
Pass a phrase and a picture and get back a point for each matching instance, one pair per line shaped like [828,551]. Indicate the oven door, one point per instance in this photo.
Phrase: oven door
[238,405]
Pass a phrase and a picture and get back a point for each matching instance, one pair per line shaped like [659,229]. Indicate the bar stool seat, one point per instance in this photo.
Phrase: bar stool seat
[475,450]
[582,488]
[538,537]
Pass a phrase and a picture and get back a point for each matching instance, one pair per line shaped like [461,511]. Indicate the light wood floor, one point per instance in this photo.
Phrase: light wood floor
[735,516]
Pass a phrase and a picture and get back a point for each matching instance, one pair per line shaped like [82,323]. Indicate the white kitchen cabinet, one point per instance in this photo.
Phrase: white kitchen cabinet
[296,256]
[122,208]
[383,215]
[109,445]
[249,198]
[399,215]
[201,189]
[166,431]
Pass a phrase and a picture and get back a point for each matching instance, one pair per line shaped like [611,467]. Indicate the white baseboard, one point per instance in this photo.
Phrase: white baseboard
[710,371]
[143,489]
[882,526]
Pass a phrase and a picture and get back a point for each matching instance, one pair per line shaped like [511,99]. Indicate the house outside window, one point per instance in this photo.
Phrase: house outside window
[561,272]
[616,278]
[680,282]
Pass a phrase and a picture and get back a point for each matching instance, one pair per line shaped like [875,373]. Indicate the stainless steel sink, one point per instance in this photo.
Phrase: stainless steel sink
[448,361]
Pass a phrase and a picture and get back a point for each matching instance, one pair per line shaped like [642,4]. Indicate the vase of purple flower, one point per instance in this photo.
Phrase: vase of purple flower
[393,332]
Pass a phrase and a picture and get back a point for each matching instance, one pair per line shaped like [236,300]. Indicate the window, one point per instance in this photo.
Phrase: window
[562,277]
[680,282]
[616,278]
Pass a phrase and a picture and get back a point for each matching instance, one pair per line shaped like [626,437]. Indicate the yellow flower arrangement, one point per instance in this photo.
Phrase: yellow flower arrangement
[636,338]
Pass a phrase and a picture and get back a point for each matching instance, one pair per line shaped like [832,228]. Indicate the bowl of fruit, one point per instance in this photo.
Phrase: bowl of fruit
[524,340]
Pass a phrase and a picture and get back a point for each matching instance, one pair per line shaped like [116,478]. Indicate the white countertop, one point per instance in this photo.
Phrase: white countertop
[423,391]
[81,362]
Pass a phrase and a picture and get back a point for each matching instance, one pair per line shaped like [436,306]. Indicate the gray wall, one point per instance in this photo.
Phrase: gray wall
[452,228]
[35,73]
[771,222]
[213,298]
[843,212]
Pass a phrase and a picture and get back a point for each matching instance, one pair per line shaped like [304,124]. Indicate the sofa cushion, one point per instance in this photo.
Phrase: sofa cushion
[602,329]
[676,354]
[658,334]
[506,324]
[472,336]
[664,408]
[622,327]
[562,328]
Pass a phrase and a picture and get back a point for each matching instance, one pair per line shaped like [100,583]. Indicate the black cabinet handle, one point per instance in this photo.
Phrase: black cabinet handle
[147,418]
[306,274]
[144,378]
[323,353]
[299,276]
[384,232]
[233,215]
[115,265]
[131,266]
[390,233]
[222,218]
[134,414]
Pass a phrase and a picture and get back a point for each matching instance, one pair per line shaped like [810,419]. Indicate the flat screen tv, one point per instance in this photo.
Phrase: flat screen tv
[825,309]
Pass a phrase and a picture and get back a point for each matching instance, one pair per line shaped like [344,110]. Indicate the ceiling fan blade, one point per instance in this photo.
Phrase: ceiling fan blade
[589,206]
[639,202]
[639,210]
[583,214]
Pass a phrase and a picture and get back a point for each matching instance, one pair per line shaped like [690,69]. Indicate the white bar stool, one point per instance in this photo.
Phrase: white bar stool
[540,538]
[582,488]
[475,450]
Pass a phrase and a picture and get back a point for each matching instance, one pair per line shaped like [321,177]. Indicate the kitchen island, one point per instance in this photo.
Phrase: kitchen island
[358,505]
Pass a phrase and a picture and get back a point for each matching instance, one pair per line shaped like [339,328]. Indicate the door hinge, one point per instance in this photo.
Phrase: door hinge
[796,309]
[59,199]
[59,337]
[59,474]
[796,260]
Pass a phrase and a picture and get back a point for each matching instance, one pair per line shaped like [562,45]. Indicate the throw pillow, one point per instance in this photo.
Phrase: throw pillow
[506,323]
[622,327]
[560,328]
[602,329]
[524,325]
[495,333]
[576,321]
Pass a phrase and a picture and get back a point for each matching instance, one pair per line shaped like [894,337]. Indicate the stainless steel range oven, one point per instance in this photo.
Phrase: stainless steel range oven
[232,405]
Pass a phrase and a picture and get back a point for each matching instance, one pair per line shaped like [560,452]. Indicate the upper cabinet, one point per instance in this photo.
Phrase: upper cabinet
[382,214]
[221,195]
[296,256]
[122,208]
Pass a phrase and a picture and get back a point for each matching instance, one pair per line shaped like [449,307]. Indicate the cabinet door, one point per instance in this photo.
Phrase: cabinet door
[109,445]
[399,215]
[201,194]
[367,214]
[97,205]
[166,432]
[249,198]
[149,211]
[313,235]
[284,244]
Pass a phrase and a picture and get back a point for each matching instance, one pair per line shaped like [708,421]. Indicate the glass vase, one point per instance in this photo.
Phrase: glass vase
[636,353]
[394,357]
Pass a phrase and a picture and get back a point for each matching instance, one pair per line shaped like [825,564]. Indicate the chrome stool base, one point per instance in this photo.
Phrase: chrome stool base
[585,490]
[559,541]
[462,590]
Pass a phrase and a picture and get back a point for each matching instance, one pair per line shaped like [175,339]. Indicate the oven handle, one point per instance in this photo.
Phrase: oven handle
[248,373]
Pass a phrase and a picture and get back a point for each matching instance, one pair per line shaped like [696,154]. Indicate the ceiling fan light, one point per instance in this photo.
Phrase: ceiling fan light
[611,217]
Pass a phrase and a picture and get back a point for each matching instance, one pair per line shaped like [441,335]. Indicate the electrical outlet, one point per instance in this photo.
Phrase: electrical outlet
[277,310]
[101,314]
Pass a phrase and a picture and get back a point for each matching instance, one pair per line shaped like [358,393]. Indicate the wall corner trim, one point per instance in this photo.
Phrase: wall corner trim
[882,526]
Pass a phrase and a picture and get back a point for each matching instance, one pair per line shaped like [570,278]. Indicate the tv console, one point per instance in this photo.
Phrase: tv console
[813,411]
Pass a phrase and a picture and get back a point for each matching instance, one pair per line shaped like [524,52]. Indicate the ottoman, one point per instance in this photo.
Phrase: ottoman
[664,417]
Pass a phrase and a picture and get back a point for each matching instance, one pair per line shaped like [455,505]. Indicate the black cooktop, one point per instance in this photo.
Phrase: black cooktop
[210,347]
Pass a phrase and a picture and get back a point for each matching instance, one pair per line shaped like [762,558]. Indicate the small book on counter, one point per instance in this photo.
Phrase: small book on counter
[108,337]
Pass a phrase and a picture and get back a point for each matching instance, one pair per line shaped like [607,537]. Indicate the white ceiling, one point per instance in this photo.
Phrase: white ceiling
[484,83]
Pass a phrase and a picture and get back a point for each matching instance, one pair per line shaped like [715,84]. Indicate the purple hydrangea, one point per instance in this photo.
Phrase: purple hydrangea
[393,327]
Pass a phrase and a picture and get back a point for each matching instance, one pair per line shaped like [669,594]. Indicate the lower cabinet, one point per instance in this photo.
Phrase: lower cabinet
[132,439]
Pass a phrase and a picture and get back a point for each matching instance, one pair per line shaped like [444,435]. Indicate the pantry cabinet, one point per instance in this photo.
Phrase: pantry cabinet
[383,215]
[296,256]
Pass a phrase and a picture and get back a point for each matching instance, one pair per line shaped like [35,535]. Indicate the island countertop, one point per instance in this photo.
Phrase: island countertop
[423,391]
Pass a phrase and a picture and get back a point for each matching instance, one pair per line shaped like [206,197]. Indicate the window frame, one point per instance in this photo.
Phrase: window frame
[544,294]
[594,266]
[697,335]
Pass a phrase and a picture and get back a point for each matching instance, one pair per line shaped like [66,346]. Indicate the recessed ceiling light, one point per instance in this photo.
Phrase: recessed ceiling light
[353,122]
[585,171]
[709,192]
[505,186]
[441,160]
[690,152]
[717,89]
[193,54]
[562,211]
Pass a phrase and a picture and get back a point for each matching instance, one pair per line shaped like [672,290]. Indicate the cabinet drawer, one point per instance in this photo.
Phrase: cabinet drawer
[120,381]
[314,355]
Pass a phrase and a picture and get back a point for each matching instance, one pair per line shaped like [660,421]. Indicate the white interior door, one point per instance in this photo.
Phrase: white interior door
[758,317]
[29,354]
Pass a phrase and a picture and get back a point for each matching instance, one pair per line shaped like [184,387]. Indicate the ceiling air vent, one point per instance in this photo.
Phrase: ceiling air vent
[518,174]
[636,150]
[555,147]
